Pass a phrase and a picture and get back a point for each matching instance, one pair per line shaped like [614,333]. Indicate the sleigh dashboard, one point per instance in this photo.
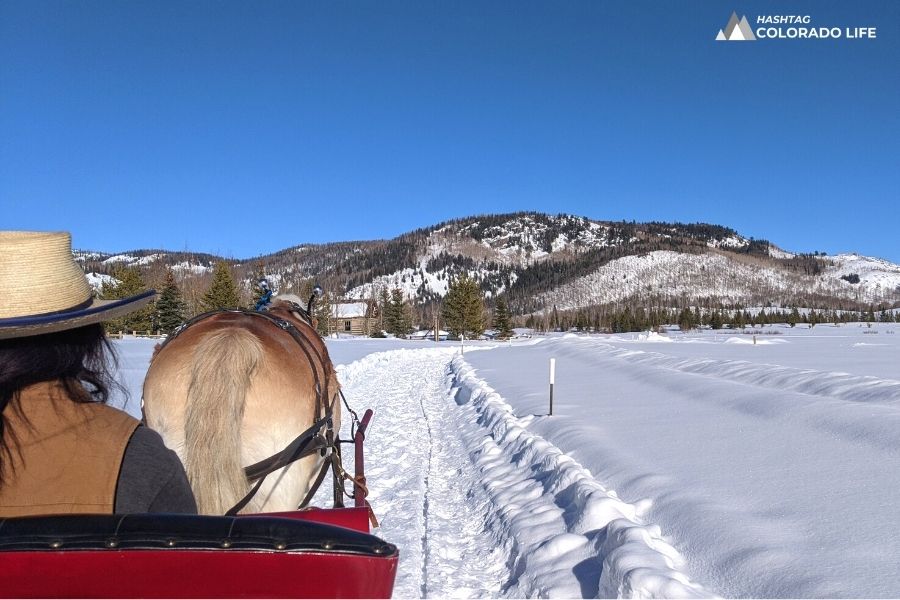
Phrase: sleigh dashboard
[189,556]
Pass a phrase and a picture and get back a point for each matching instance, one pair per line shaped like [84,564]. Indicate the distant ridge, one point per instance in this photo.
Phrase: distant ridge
[540,261]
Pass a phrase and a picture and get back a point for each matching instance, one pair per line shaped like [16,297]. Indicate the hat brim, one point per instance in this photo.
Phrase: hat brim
[95,312]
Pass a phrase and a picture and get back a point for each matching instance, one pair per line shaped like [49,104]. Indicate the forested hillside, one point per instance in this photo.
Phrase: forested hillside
[542,262]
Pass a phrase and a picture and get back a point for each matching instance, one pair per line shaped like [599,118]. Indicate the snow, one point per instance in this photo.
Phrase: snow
[133,260]
[191,267]
[345,310]
[776,252]
[873,272]
[675,465]
[673,275]
[733,241]
[98,280]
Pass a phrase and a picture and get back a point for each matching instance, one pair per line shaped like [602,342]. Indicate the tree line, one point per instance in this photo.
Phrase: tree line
[638,318]
[464,313]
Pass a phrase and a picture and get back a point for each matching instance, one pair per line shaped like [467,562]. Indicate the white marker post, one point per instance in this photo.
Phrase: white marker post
[462,346]
[552,378]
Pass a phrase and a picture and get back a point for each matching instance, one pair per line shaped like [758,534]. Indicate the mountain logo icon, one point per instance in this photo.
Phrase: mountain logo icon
[736,31]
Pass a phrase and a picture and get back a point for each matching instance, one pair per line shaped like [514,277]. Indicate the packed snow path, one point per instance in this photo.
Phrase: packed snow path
[421,482]
[481,508]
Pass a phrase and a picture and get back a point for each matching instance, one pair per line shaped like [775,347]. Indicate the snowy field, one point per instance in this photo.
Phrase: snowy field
[684,465]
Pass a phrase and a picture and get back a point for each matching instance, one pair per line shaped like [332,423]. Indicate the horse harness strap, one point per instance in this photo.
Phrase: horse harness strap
[296,450]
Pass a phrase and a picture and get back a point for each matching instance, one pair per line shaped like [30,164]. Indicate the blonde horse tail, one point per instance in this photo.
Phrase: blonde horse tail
[224,364]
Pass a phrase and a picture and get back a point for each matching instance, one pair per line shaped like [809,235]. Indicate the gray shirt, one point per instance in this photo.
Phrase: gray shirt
[152,478]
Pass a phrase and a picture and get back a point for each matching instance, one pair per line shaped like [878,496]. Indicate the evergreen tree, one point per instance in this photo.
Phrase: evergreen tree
[129,282]
[391,310]
[384,302]
[813,318]
[322,313]
[501,319]
[223,291]
[397,315]
[794,317]
[686,319]
[464,308]
[170,307]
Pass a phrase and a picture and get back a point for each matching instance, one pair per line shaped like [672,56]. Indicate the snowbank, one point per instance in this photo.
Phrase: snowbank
[566,532]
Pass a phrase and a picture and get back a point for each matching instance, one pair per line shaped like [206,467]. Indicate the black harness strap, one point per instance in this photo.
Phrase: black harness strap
[296,450]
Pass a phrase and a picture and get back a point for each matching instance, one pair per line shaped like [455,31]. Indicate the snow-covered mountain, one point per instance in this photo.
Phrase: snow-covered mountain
[662,278]
[539,261]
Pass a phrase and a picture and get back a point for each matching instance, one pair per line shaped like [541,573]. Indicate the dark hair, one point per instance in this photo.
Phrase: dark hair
[81,359]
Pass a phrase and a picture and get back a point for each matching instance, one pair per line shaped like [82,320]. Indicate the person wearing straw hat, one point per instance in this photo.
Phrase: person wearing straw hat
[62,449]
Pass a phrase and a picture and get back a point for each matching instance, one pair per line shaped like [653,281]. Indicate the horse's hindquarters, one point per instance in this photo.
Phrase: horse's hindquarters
[233,390]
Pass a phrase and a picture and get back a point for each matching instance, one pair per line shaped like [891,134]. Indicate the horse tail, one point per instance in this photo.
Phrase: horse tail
[223,366]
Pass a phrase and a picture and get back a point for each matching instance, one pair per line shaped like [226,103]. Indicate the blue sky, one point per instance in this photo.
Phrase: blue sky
[241,128]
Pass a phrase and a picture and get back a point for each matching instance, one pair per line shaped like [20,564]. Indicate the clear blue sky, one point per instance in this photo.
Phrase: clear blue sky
[242,128]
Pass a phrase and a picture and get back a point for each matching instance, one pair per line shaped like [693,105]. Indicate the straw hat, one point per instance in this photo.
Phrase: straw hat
[43,290]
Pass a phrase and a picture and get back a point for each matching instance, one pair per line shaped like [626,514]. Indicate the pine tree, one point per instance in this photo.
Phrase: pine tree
[813,318]
[129,282]
[222,292]
[322,313]
[501,319]
[170,307]
[391,315]
[383,308]
[398,319]
[464,308]
[686,320]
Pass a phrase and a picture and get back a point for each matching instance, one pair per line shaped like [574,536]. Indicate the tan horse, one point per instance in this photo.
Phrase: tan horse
[233,389]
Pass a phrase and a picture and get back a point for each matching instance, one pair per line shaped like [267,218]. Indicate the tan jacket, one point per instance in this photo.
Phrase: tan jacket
[68,457]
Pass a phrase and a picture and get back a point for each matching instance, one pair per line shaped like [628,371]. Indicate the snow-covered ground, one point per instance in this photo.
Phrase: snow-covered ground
[675,465]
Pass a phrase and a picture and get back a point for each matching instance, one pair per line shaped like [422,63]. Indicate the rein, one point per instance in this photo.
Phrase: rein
[311,440]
